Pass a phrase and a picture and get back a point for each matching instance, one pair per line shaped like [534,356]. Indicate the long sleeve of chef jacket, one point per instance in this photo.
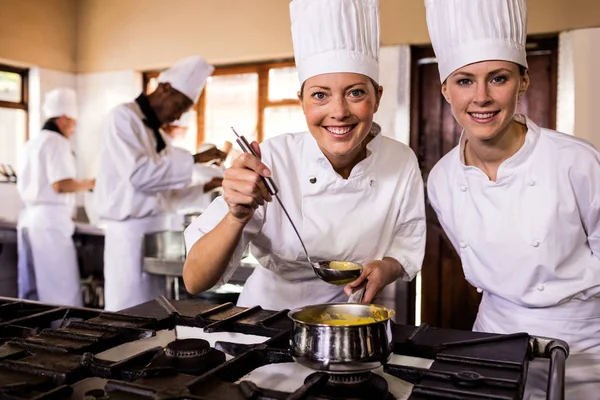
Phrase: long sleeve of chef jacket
[432,199]
[586,184]
[213,214]
[146,170]
[408,244]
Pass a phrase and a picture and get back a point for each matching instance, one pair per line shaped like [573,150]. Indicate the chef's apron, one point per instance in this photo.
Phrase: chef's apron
[576,322]
[125,282]
[56,271]
[26,273]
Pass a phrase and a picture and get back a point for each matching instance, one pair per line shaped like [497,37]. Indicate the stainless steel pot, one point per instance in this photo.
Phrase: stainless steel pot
[341,348]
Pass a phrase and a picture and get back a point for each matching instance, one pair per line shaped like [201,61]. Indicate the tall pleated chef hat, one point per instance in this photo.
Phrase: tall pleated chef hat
[464,32]
[59,102]
[188,76]
[332,36]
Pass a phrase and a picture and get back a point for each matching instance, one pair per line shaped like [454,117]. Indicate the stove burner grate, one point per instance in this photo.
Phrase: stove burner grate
[366,385]
[187,348]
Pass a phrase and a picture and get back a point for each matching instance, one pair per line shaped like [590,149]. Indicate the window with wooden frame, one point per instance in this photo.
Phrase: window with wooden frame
[259,100]
[13,115]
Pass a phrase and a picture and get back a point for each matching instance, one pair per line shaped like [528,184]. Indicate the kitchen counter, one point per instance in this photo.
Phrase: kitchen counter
[89,245]
[80,227]
[8,258]
[174,268]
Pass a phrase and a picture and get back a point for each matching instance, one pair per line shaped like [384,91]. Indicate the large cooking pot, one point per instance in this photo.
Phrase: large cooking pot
[341,338]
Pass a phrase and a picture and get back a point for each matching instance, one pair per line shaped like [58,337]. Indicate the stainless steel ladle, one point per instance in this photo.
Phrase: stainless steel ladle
[333,272]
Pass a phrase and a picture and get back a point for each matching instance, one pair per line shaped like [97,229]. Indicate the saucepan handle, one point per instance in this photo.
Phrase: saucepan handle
[357,294]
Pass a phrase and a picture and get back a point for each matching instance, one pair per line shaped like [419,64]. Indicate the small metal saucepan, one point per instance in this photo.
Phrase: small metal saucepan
[342,337]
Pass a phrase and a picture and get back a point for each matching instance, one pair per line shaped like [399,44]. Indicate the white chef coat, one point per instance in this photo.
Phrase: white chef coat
[377,212]
[531,241]
[48,158]
[132,176]
[131,192]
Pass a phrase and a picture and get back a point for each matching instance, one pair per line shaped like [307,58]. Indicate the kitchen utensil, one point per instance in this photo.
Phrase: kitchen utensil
[329,271]
[342,337]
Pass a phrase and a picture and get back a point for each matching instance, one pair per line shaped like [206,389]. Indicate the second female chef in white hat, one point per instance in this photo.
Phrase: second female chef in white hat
[520,203]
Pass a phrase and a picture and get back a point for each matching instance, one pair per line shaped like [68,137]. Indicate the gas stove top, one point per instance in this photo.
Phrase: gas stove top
[190,350]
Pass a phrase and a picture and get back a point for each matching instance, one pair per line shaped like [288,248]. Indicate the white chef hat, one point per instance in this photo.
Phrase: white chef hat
[188,76]
[59,102]
[335,36]
[464,32]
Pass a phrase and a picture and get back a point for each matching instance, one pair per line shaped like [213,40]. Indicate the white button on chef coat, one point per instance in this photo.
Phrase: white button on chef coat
[339,219]
[479,290]
[505,222]
[540,287]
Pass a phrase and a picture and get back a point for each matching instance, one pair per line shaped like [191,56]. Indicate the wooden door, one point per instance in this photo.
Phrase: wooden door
[447,299]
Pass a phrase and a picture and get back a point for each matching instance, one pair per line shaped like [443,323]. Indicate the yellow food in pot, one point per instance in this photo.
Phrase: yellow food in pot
[339,319]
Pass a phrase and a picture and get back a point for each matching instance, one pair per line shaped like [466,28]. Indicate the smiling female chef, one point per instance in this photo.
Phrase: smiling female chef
[354,194]
[521,204]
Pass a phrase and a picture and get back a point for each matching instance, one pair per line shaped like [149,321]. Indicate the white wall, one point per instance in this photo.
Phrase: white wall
[97,94]
[394,76]
[579,85]
[42,81]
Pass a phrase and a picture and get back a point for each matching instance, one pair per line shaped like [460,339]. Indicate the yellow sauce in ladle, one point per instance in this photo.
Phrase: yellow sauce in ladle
[344,265]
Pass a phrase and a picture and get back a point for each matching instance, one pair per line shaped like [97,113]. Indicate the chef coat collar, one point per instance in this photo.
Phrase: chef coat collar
[517,159]
[316,154]
[151,121]
[50,125]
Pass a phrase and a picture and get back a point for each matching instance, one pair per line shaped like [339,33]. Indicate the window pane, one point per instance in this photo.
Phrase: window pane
[12,136]
[231,100]
[283,83]
[10,86]
[280,120]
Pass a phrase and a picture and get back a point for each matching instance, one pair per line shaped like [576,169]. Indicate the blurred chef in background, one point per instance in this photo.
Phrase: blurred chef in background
[136,170]
[47,185]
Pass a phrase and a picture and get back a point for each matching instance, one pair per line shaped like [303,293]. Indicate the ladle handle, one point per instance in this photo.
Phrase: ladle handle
[247,148]
[271,187]
[357,295]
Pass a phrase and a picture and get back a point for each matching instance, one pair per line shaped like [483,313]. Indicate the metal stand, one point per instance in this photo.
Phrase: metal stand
[172,287]
[557,351]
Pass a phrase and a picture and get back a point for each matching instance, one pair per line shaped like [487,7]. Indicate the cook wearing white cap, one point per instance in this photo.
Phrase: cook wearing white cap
[520,203]
[47,183]
[354,194]
[136,169]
